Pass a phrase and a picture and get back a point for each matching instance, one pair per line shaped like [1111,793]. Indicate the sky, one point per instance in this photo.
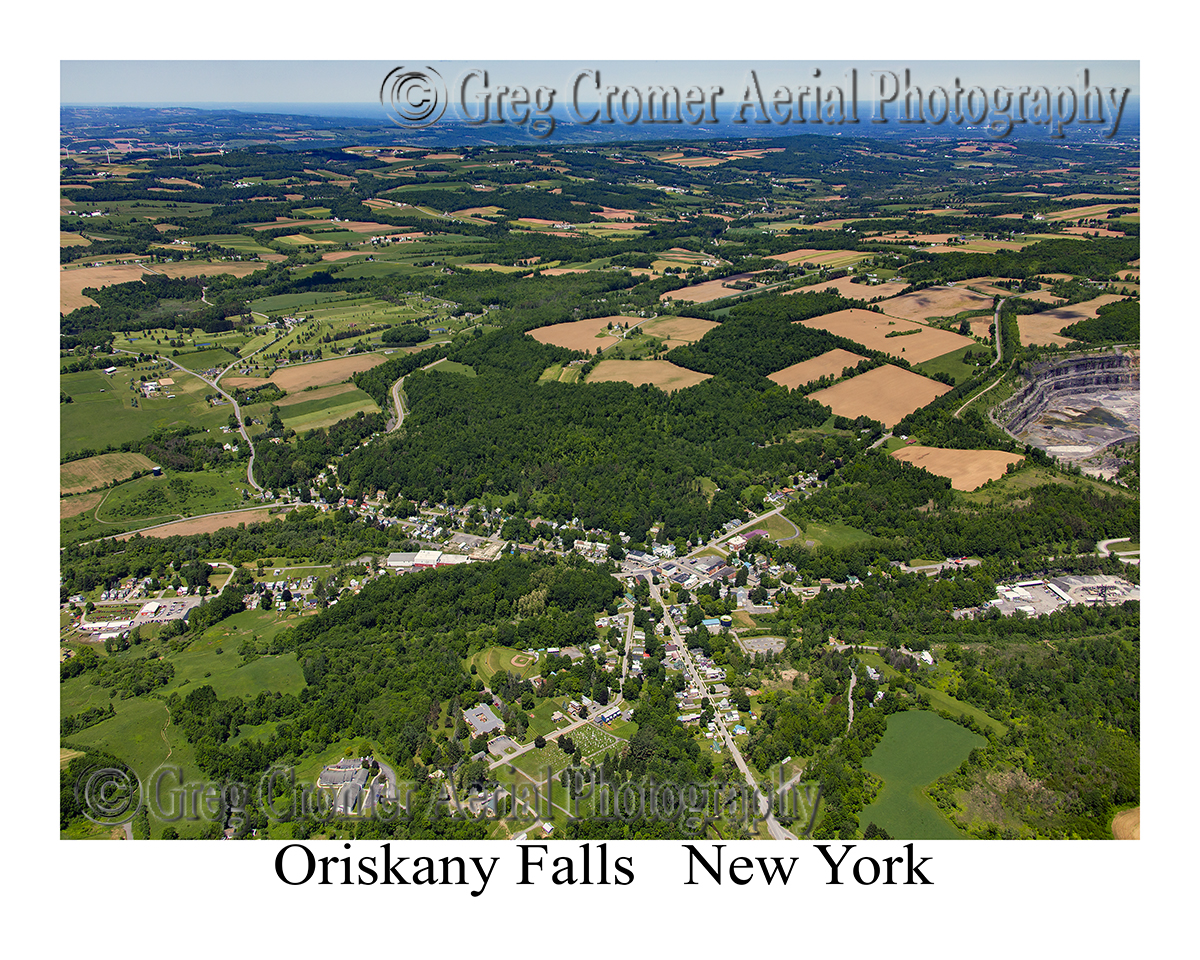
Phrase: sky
[225,82]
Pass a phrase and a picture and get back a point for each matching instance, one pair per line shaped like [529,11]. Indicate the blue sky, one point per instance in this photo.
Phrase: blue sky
[358,81]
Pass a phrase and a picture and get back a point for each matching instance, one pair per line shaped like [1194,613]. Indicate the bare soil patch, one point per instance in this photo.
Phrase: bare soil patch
[966,469]
[871,330]
[887,394]
[935,302]
[319,374]
[579,334]
[828,364]
[218,521]
[1043,327]
[660,373]
[1127,825]
[73,506]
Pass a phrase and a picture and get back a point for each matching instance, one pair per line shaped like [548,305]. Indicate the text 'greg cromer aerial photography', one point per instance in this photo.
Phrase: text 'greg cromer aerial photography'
[602,451]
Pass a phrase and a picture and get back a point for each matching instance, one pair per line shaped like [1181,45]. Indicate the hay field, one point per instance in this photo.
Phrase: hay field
[319,374]
[659,373]
[80,475]
[857,291]
[218,521]
[872,329]
[321,393]
[826,365]
[935,302]
[887,394]
[966,469]
[822,258]
[709,289]
[678,330]
[72,240]
[1042,328]
[1127,825]
[73,506]
[72,281]
[579,334]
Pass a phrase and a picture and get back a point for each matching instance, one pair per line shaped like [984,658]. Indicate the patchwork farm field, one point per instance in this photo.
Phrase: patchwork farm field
[935,302]
[851,290]
[966,469]
[322,373]
[659,373]
[74,279]
[311,412]
[677,331]
[579,334]
[1042,328]
[709,289]
[871,330]
[828,364]
[887,394]
[918,747]
[80,475]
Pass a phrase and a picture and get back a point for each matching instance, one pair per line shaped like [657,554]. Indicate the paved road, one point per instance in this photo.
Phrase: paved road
[396,401]
[776,830]
[237,411]
[995,360]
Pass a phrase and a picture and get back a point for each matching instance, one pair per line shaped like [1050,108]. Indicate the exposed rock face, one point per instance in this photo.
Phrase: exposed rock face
[1073,407]
[1077,376]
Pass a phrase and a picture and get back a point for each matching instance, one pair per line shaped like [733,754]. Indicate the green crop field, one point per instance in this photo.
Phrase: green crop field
[918,747]
[309,414]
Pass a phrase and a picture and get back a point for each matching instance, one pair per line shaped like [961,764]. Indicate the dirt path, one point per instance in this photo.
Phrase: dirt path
[1127,825]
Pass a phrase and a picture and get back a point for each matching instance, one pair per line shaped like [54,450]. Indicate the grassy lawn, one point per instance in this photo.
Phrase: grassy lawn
[496,659]
[834,535]
[918,747]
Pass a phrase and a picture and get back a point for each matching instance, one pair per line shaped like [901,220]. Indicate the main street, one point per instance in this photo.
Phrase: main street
[776,830]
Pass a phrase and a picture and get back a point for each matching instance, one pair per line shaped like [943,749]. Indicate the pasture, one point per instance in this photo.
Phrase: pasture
[829,364]
[583,335]
[887,394]
[966,469]
[81,475]
[659,373]
[102,410]
[917,748]
[871,330]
